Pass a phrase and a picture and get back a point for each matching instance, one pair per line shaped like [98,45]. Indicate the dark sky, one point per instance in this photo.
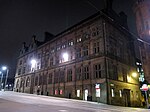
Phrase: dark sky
[20,19]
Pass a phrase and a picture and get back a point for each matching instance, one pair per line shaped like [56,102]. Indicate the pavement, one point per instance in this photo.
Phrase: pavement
[21,102]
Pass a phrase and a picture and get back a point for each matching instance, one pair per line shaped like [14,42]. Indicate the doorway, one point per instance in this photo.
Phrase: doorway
[85,94]
[127,97]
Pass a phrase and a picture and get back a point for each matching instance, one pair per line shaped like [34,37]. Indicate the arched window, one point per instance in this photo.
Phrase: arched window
[28,82]
[22,83]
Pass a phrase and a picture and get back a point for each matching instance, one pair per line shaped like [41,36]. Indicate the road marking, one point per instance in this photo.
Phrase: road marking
[62,110]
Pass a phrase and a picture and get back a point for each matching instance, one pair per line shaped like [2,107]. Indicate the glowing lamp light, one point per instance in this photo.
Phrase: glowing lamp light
[33,63]
[65,57]
[134,74]
[4,68]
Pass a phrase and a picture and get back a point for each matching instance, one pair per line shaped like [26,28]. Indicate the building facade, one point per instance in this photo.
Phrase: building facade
[93,60]
[142,15]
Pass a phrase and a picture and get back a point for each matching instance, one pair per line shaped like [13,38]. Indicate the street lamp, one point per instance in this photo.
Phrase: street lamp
[7,70]
[134,74]
[1,80]
[65,57]
[33,64]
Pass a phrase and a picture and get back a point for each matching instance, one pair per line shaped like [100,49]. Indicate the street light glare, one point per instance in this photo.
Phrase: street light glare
[134,74]
[33,63]
[65,56]
[4,68]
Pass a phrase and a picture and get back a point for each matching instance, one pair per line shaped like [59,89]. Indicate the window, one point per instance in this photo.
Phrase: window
[70,43]
[112,46]
[20,63]
[112,93]
[63,46]
[56,92]
[38,65]
[23,71]
[97,71]
[85,72]
[85,50]
[40,80]
[50,78]
[113,74]
[69,75]
[51,62]
[39,56]
[78,74]
[79,40]
[62,76]
[58,48]
[52,50]
[56,77]
[78,93]
[19,71]
[120,93]
[22,84]
[36,80]
[78,51]
[96,47]
[28,82]
[45,79]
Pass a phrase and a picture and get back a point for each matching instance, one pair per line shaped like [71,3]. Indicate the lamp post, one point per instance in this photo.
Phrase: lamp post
[7,70]
[1,80]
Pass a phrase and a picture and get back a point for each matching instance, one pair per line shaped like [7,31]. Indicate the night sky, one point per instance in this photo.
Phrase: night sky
[20,19]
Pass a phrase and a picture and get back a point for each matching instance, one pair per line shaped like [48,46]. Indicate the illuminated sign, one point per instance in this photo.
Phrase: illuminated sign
[144,87]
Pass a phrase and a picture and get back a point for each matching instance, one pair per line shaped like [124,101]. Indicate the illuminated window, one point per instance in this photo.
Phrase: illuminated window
[79,40]
[56,92]
[112,93]
[78,93]
[120,93]
[61,92]
[70,43]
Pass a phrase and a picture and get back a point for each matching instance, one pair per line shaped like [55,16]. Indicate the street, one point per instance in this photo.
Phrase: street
[22,102]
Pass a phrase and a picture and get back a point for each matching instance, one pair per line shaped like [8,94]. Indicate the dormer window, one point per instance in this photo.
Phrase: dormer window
[70,43]
[79,40]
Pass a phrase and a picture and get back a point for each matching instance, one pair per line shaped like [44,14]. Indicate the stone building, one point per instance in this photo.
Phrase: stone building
[142,15]
[92,60]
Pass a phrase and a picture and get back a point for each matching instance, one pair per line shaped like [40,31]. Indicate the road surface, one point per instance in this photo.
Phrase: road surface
[22,102]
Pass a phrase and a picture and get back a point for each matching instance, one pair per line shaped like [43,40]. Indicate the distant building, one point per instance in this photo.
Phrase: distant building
[93,60]
[142,14]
